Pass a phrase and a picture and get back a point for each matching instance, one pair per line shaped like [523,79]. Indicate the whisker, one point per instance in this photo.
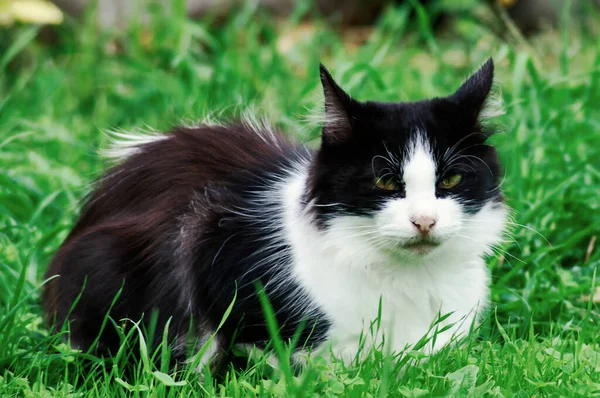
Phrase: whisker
[494,248]
[469,157]
[451,150]
[330,205]
[512,223]
[345,237]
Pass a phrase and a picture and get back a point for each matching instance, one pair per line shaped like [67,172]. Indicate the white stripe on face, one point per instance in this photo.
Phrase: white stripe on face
[419,175]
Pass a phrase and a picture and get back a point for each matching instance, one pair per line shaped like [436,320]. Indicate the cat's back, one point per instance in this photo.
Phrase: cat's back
[164,173]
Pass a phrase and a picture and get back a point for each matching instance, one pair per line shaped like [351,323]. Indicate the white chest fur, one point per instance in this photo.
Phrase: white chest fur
[348,276]
[409,299]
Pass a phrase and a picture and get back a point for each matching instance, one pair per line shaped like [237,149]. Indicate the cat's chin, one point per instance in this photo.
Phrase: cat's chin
[421,247]
[413,248]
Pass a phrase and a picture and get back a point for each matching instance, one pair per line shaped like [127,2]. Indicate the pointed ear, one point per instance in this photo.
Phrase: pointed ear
[472,95]
[336,128]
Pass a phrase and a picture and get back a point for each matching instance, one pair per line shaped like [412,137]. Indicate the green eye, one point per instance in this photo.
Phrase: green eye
[386,184]
[450,182]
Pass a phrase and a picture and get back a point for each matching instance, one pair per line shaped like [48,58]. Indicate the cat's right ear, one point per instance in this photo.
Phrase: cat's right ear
[336,128]
[474,92]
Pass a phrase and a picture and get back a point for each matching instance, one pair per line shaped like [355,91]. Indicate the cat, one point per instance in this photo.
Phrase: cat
[389,218]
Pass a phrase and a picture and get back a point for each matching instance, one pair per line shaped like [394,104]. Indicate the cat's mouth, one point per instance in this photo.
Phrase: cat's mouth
[421,245]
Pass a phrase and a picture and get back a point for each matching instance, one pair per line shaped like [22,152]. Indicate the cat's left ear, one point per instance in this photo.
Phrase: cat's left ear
[337,128]
[472,95]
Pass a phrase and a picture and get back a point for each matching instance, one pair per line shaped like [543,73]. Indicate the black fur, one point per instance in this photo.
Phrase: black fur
[177,229]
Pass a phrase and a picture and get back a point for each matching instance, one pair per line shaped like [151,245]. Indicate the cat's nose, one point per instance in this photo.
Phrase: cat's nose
[423,223]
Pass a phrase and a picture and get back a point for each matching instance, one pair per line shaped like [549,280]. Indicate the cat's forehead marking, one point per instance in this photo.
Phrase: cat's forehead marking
[419,168]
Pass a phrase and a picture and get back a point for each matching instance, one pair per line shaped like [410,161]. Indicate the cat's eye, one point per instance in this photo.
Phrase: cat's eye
[386,184]
[451,181]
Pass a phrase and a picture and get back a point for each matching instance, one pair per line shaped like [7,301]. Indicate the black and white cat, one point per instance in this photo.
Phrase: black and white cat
[398,206]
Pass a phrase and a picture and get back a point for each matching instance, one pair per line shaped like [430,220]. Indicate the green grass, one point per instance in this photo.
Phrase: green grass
[541,339]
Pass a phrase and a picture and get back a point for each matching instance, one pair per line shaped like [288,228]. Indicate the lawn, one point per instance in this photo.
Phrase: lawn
[59,90]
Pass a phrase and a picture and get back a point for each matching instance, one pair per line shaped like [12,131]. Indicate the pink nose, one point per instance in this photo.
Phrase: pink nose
[423,223]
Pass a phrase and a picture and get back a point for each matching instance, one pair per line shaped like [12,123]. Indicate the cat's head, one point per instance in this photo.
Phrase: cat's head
[409,178]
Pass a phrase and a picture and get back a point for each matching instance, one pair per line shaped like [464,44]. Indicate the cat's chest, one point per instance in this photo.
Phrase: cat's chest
[405,300]
[359,296]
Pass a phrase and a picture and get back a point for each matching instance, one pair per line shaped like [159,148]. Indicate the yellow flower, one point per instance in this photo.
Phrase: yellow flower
[29,11]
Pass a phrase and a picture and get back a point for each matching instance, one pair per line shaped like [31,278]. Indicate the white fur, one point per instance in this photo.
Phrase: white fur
[354,263]
[211,349]
[260,126]
[123,144]
[494,105]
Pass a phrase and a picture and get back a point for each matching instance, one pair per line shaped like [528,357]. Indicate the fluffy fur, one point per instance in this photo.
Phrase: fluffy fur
[190,220]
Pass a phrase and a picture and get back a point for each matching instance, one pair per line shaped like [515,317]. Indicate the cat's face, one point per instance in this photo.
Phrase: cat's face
[408,178]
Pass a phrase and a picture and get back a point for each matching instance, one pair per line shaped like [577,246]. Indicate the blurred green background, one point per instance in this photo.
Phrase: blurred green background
[67,73]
